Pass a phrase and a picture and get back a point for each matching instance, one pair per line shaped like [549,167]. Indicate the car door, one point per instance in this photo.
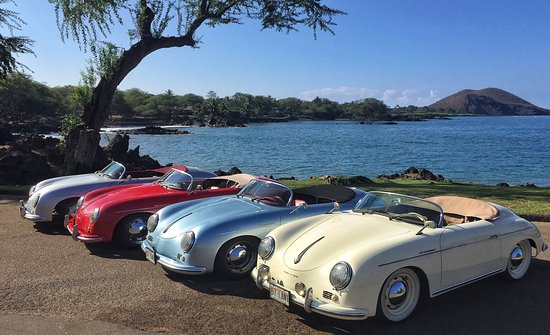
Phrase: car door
[468,251]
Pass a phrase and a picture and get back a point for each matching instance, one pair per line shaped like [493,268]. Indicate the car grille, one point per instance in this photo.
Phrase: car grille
[327,295]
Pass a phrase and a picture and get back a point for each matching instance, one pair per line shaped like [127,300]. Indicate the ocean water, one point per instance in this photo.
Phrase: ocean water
[485,150]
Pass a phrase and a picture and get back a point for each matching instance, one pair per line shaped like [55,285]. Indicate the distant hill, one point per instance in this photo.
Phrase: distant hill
[488,101]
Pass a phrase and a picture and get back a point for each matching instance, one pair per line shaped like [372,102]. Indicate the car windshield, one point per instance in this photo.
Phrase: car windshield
[114,170]
[177,180]
[267,192]
[400,207]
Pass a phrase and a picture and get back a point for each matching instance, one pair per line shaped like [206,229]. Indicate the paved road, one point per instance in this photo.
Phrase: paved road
[50,284]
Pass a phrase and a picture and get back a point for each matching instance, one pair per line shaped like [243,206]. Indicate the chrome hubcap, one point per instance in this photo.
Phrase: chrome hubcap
[238,256]
[516,257]
[397,293]
[137,230]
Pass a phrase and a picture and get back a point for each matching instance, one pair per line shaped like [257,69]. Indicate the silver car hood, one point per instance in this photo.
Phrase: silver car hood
[60,182]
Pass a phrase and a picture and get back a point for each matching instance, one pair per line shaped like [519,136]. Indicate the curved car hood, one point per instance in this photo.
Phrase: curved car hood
[88,178]
[133,192]
[337,235]
[214,211]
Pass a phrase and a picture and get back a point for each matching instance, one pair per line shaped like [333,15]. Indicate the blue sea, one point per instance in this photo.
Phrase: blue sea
[486,150]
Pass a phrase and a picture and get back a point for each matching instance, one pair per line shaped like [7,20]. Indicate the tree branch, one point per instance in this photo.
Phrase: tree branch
[146,21]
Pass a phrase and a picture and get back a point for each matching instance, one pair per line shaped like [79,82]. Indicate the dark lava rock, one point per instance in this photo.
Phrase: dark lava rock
[347,180]
[117,147]
[5,135]
[153,130]
[532,185]
[413,173]
[503,184]
[233,170]
[30,160]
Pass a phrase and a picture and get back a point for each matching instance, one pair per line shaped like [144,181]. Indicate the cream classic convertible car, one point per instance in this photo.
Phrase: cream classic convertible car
[376,259]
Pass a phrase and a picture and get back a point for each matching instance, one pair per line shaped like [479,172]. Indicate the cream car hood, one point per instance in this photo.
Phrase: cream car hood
[338,234]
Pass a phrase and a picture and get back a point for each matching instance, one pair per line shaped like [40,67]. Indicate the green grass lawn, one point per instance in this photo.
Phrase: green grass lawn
[530,202]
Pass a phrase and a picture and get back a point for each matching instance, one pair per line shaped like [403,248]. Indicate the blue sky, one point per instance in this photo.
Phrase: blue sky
[403,52]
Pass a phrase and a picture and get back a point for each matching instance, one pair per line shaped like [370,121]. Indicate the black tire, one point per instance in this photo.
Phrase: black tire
[128,238]
[237,257]
[62,209]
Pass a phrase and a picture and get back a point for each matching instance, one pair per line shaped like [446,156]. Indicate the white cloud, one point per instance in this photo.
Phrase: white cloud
[390,96]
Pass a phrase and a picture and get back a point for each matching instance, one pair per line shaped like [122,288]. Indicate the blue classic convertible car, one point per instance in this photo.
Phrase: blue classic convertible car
[222,234]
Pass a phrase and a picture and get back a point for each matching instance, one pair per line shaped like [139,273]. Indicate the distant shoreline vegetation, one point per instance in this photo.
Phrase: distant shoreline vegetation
[30,106]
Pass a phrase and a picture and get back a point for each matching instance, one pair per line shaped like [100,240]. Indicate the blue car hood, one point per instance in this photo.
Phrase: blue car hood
[206,213]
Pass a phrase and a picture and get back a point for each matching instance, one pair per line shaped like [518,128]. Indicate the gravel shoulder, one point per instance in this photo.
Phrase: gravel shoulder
[52,284]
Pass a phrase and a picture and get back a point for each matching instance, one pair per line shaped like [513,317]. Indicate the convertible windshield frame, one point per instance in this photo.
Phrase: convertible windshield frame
[398,206]
[256,185]
[171,173]
[108,171]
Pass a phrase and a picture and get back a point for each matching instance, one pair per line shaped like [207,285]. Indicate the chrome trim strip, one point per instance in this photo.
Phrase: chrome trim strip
[450,288]
[517,231]
[422,253]
[300,255]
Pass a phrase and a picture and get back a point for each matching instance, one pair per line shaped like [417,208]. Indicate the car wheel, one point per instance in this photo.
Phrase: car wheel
[519,260]
[132,230]
[62,209]
[399,295]
[237,257]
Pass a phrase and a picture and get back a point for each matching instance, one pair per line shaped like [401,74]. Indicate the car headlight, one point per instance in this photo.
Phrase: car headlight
[266,247]
[152,222]
[94,216]
[79,203]
[187,241]
[340,275]
[34,199]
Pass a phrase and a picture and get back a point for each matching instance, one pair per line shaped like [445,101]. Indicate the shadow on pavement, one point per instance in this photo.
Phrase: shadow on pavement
[50,228]
[215,285]
[114,251]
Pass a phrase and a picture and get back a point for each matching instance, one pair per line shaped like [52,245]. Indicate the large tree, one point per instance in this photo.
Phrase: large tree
[11,45]
[88,22]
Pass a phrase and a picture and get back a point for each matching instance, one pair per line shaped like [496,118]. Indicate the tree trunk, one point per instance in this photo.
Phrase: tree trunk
[82,149]
[82,146]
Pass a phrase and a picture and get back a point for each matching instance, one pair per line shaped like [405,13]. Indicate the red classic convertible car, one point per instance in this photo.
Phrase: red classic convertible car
[121,212]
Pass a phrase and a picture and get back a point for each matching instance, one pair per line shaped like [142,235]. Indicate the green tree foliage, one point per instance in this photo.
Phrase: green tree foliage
[11,45]
[22,98]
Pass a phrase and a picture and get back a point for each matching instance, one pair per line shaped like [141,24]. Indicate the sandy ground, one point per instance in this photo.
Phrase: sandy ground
[50,284]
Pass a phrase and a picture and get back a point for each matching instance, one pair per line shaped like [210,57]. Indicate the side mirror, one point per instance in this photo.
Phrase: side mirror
[335,206]
[427,224]
[128,178]
[300,205]
[430,224]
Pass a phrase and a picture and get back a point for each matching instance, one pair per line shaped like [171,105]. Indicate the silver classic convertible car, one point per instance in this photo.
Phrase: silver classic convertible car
[222,234]
[376,259]
[51,199]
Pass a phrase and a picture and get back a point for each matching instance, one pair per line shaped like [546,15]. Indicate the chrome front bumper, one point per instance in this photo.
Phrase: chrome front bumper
[173,265]
[313,305]
[76,236]
[25,214]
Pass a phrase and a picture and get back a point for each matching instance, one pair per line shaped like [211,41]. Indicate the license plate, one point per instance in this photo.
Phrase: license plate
[150,256]
[279,294]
